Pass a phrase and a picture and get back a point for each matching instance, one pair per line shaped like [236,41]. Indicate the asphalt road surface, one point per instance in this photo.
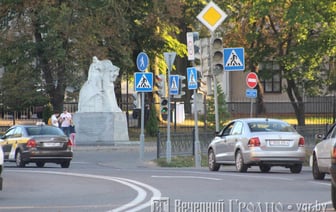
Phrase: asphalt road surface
[114,179]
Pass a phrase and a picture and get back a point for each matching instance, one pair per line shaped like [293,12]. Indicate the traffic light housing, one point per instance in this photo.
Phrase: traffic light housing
[160,83]
[164,108]
[217,55]
[136,100]
[181,87]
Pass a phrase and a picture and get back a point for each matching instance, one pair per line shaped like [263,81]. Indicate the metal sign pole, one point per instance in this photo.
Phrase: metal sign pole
[142,134]
[197,142]
[251,108]
[168,147]
[214,84]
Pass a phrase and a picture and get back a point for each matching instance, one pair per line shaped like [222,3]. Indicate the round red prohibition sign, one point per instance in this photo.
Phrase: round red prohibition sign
[251,80]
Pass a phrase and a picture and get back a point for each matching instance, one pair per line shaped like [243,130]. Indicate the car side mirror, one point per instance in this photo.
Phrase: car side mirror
[319,138]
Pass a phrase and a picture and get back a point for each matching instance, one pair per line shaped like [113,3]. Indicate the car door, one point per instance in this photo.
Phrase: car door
[221,144]
[231,140]
[325,148]
[7,141]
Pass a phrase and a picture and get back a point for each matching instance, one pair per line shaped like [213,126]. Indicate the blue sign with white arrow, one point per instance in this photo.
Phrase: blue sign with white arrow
[251,93]
[143,82]
[142,61]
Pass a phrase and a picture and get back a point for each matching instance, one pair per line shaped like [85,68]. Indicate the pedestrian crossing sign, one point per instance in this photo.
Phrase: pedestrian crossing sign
[192,78]
[143,82]
[174,84]
[234,59]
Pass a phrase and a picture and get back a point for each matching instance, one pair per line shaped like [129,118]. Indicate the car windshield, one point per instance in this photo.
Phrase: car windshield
[44,130]
[270,126]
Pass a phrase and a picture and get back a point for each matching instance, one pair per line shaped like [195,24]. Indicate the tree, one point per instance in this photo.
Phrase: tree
[223,113]
[298,35]
[152,127]
[64,35]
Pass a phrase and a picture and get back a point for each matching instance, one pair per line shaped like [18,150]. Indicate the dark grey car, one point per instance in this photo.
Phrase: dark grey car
[38,144]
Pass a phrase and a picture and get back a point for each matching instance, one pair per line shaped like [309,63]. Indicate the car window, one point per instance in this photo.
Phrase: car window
[332,132]
[237,129]
[17,132]
[228,129]
[9,133]
[46,130]
[270,126]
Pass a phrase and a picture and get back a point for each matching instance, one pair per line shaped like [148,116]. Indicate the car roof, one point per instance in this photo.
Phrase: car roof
[258,119]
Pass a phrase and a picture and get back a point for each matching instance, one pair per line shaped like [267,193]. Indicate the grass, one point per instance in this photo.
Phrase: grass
[181,161]
[189,161]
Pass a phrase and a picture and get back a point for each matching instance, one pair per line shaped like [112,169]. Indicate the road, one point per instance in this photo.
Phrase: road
[114,179]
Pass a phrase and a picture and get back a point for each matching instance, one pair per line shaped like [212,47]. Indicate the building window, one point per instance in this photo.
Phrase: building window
[272,79]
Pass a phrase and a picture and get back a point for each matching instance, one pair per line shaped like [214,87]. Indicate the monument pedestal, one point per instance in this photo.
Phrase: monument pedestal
[103,128]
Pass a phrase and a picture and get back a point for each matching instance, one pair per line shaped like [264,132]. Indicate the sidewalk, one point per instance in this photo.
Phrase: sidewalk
[121,155]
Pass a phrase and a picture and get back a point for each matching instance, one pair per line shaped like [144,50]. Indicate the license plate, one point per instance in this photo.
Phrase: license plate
[51,144]
[279,143]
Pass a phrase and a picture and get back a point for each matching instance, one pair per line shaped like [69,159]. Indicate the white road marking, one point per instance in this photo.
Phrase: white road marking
[132,206]
[186,177]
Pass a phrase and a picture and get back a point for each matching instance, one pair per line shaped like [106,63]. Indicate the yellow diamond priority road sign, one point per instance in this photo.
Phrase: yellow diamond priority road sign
[212,16]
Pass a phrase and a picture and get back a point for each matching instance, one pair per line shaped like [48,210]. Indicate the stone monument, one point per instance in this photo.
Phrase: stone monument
[99,120]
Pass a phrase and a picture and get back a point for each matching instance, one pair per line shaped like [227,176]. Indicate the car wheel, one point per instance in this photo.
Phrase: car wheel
[65,164]
[40,164]
[240,166]
[316,171]
[265,168]
[333,195]
[296,168]
[18,159]
[213,166]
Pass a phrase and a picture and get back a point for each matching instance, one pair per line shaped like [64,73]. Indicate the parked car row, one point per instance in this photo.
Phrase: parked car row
[267,142]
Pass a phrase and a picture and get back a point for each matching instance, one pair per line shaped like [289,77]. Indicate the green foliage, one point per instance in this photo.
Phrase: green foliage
[47,112]
[56,40]
[152,123]
[223,113]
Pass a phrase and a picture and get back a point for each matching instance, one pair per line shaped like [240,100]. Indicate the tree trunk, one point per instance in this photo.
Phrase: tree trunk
[296,101]
[260,104]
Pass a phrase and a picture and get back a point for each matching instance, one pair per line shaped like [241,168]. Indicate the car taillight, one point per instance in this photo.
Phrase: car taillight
[333,153]
[31,143]
[69,144]
[301,142]
[254,142]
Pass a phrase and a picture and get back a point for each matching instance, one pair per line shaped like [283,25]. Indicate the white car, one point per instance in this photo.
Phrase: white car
[321,155]
[259,142]
[1,166]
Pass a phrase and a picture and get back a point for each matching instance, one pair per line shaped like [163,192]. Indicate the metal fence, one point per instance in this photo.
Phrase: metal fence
[183,144]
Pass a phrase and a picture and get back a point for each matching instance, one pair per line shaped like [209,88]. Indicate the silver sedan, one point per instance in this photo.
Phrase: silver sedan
[259,142]
[321,157]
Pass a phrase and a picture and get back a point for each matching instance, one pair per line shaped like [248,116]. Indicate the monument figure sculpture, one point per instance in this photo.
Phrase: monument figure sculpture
[99,118]
[97,93]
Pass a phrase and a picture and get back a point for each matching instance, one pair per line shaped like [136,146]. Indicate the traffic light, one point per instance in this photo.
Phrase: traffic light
[136,100]
[181,87]
[217,55]
[160,83]
[199,79]
[199,102]
[164,108]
